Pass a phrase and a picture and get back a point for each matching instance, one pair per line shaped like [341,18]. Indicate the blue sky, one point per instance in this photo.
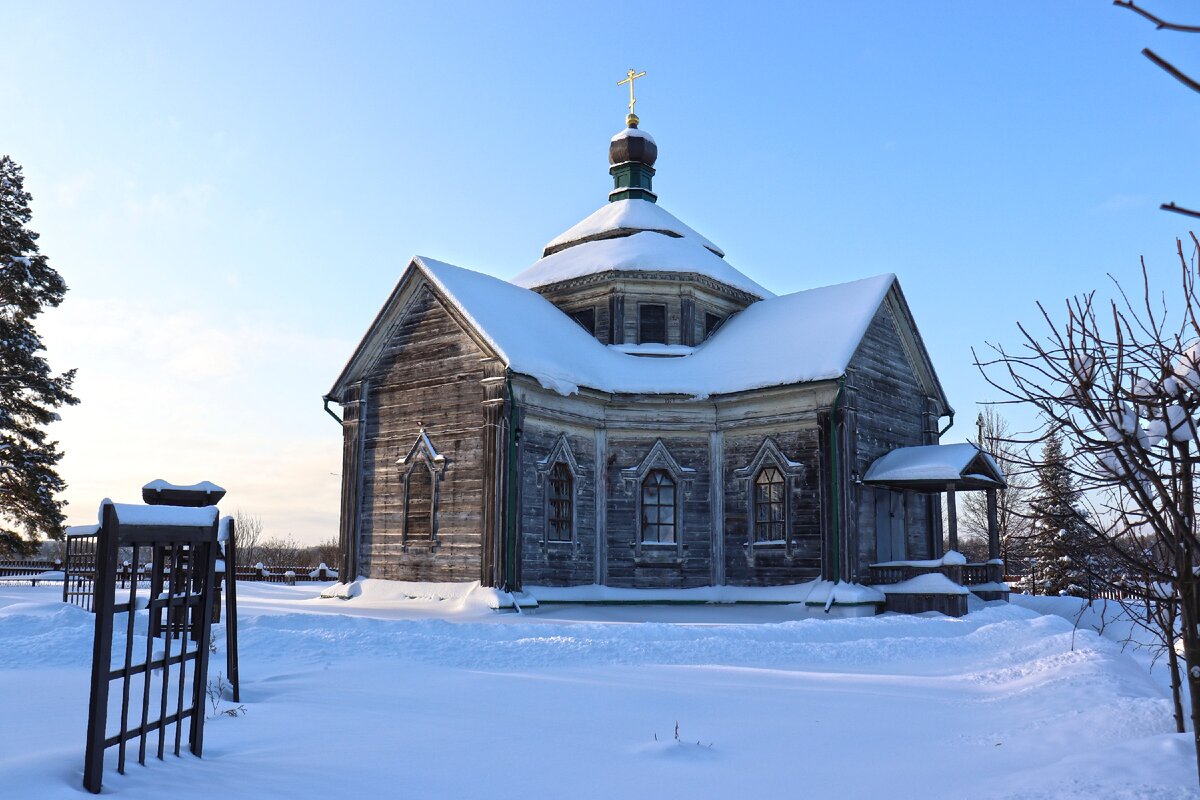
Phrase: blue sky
[231,189]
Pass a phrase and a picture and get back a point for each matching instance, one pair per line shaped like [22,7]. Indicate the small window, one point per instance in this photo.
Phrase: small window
[711,323]
[768,506]
[658,508]
[418,502]
[652,323]
[559,514]
[587,318]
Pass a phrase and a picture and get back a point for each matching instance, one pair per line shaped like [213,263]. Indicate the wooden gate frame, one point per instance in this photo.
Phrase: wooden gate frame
[182,584]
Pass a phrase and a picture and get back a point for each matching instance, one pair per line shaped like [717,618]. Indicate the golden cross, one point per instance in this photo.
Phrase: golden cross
[633,76]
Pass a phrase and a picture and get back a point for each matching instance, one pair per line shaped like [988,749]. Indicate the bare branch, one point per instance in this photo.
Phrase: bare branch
[1171,69]
[1159,23]
[1179,209]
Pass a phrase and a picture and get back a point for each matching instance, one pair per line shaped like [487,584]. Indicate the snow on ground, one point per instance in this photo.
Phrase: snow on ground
[448,699]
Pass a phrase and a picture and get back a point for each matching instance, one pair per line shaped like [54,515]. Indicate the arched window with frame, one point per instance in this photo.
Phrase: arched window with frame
[769,506]
[658,508]
[423,468]
[560,510]
[418,502]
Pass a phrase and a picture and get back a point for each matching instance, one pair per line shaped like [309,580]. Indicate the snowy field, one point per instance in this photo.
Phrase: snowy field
[424,699]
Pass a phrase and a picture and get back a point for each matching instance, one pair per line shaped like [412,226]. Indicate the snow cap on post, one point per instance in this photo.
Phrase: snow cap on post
[197,495]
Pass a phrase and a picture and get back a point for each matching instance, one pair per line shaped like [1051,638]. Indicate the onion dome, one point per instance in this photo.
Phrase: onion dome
[632,154]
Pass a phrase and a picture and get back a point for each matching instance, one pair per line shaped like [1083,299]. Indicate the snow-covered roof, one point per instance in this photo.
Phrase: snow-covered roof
[935,465]
[621,216]
[643,251]
[796,338]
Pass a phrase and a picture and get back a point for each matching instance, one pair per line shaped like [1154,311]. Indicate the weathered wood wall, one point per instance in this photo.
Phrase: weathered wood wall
[799,559]
[429,375]
[890,412]
[687,563]
[554,563]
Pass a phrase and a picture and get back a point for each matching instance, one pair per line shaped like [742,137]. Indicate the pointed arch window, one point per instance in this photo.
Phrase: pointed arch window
[560,504]
[770,481]
[418,503]
[659,484]
[769,506]
[658,508]
[558,475]
[423,468]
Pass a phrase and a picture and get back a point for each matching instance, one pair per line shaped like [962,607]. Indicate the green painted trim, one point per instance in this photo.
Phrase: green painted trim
[632,181]
[509,546]
[835,486]
[633,194]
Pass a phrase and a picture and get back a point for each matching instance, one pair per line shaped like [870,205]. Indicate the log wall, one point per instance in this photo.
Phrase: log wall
[890,408]
[429,375]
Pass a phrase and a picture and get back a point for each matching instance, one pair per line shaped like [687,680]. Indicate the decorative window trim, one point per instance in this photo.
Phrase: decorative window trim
[659,457]
[422,455]
[769,455]
[561,453]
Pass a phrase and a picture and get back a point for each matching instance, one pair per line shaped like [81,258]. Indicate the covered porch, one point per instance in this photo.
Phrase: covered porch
[941,584]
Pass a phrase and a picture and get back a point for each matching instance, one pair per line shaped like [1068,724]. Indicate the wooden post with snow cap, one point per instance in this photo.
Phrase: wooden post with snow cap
[993,526]
[951,517]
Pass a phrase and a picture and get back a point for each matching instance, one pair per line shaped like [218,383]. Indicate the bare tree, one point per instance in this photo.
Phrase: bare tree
[995,437]
[1120,383]
[327,553]
[1166,66]
[248,535]
[284,551]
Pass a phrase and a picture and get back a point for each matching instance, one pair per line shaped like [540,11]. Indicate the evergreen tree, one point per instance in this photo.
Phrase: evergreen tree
[29,393]
[1058,545]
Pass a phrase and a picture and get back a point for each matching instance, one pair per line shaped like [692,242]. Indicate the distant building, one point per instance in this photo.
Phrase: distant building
[633,411]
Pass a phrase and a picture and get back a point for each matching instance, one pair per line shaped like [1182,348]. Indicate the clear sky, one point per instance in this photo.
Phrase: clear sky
[232,189]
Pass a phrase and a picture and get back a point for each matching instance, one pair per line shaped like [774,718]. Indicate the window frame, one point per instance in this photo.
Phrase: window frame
[560,454]
[709,330]
[559,472]
[632,478]
[422,455]
[643,506]
[666,332]
[775,505]
[793,473]
[590,312]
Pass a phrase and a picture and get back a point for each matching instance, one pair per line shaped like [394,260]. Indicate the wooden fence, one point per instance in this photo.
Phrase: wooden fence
[81,567]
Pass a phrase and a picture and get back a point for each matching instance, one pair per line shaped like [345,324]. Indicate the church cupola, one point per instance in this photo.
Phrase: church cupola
[631,155]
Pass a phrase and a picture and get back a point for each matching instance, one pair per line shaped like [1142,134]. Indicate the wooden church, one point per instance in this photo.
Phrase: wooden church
[633,411]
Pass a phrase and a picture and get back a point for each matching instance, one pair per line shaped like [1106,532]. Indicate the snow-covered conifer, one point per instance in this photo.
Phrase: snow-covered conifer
[1059,537]
[29,392]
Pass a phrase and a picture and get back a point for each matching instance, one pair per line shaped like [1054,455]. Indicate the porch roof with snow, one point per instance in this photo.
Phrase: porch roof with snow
[797,338]
[935,468]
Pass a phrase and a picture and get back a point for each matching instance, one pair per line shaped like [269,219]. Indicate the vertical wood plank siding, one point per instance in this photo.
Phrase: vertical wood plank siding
[891,409]
[429,374]
[553,563]
[747,564]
